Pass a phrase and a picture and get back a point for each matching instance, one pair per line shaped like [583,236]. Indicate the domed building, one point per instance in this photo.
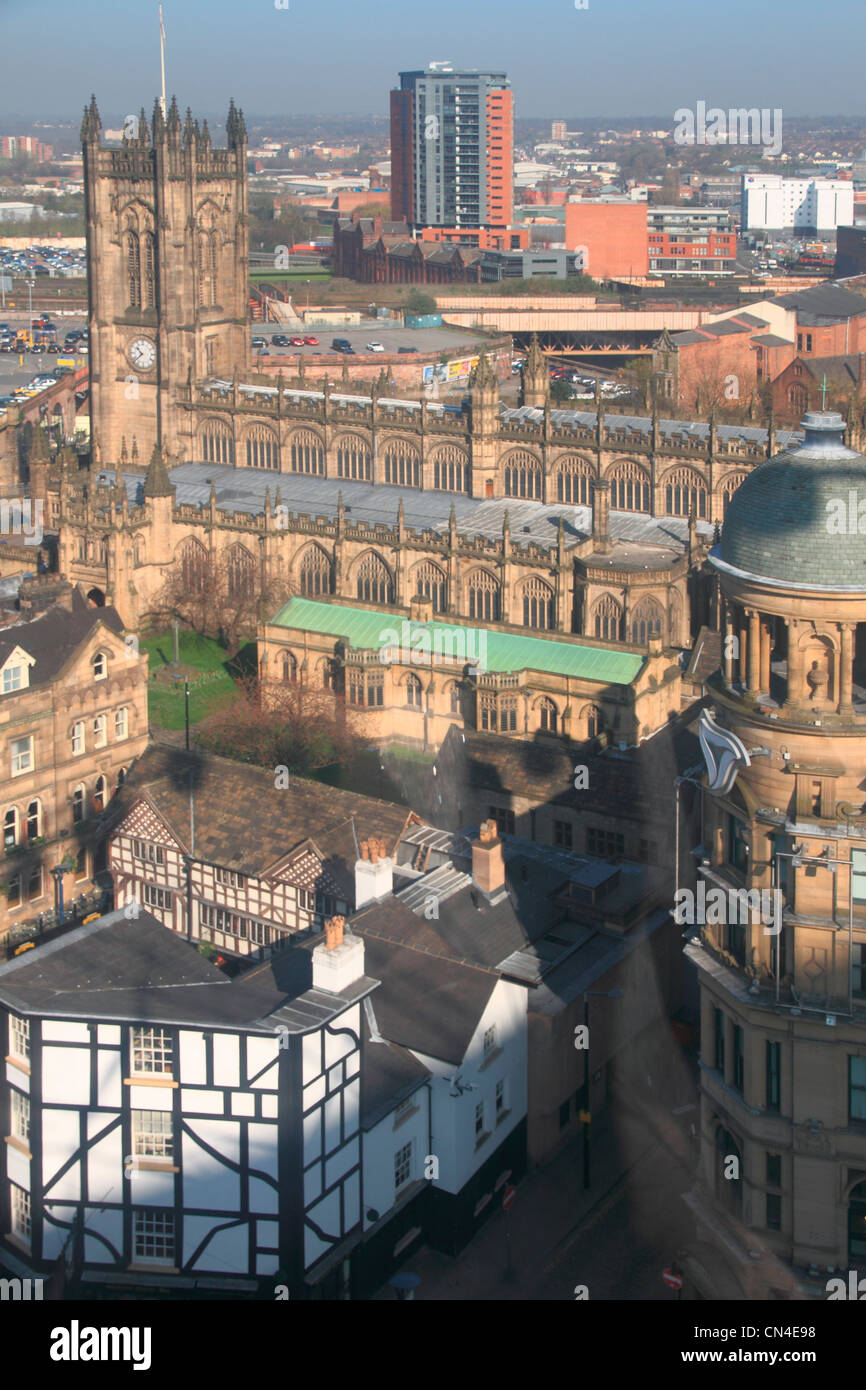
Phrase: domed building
[780,902]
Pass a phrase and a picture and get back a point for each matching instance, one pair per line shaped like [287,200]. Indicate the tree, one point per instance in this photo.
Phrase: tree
[560,391]
[281,724]
[417,302]
[222,597]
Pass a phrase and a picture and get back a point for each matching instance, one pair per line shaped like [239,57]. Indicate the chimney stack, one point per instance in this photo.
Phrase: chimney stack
[374,873]
[338,961]
[488,863]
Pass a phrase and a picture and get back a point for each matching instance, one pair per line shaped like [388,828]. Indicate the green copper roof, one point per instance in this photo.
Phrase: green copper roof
[371,631]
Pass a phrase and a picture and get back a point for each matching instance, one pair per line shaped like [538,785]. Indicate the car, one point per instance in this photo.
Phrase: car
[53,347]
[259,342]
[82,347]
[311,342]
[6,400]
[279,340]
[297,342]
[263,352]
[407,349]
[4,328]
[340,344]
[375,347]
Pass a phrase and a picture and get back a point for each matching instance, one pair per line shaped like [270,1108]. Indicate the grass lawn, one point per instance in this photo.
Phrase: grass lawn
[213,681]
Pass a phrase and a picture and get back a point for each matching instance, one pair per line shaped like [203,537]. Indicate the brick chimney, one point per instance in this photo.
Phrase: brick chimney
[488,863]
[338,961]
[374,873]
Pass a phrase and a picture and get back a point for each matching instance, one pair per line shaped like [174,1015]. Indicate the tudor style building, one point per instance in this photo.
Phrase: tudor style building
[73,705]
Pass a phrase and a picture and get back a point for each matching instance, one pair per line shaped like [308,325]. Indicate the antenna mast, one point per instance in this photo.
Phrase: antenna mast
[162,60]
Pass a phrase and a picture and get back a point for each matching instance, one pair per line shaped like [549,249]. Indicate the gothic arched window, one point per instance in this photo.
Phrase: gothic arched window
[451,470]
[574,482]
[133,270]
[217,445]
[353,459]
[402,464]
[685,493]
[241,572]
[263,450]
[194,565]
[431,583]
[646,621]
[629,488]
[149,281]
[538,604]
[307,454]
[548,716]
[608,618]
[523,476]
[484,596]
[315,572]
[375,584]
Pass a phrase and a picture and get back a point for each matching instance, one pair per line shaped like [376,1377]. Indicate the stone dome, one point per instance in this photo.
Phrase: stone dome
[797,518]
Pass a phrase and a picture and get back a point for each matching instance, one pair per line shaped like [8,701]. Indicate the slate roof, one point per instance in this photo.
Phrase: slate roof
[427,1003]
[637,781]
[389,1073]
[823,304]
[54,636]
[494,651]
[115,968]
[244,822]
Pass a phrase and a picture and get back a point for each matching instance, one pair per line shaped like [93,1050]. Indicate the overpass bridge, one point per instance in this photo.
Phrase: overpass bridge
[566,331]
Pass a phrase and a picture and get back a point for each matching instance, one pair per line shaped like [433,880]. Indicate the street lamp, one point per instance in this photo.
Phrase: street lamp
[586,1113]
[186,704]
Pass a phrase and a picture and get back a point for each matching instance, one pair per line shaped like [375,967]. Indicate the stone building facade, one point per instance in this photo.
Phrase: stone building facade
[781,1195]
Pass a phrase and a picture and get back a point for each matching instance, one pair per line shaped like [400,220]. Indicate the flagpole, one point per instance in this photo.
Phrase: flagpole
[162,60]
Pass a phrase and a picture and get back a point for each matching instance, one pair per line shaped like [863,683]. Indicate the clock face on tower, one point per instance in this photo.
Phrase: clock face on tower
[142,354]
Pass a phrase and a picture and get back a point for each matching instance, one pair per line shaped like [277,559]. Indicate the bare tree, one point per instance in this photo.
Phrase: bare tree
[282,724]
[222,596]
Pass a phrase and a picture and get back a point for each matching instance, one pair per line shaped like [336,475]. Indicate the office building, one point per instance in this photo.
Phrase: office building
[770,202]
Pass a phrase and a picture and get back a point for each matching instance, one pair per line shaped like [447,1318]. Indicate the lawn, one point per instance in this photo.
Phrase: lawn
[211,679]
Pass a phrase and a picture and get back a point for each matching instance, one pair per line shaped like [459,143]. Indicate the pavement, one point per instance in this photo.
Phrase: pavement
[551,1209]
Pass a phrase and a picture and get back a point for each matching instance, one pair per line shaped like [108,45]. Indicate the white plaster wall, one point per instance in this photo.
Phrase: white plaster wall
[381,1144]
[66,1075]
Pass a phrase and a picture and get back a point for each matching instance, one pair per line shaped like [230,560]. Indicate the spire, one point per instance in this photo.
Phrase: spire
[156,481]
[236,130]
[188,127]
[143,132]
[484,377]
[134,449]
[535,357]
[173,119]
[205,132]
[91,125]
[158,122]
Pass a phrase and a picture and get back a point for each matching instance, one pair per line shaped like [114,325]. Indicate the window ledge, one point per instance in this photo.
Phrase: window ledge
[401,1119]
[21,1065]
[152,1165]
[491,1058]
[503,1116]
[15,1143]
[156,1268]
[150,1081]
[482,1139]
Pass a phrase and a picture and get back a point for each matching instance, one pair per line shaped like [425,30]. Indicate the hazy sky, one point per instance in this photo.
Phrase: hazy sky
[616,57]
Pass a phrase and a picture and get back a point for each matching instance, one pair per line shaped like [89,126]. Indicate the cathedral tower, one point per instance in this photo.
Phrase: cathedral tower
[167,265]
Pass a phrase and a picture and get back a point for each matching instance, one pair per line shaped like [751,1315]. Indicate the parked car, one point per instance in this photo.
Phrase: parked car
[297,342]
[311,342]
[407,349]
[259,343]
[341,344]
[280,340]
[375,347]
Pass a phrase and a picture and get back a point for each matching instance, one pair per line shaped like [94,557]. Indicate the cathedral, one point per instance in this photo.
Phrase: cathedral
[560,523]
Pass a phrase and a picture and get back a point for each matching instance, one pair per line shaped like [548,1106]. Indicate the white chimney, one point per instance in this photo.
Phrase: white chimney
[338,961]
[374,873]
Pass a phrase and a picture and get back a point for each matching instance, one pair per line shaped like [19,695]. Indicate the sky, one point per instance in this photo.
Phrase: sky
[299,57]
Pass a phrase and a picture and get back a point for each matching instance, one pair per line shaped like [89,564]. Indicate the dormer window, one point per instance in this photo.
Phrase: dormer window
[16,671]
[100,666]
